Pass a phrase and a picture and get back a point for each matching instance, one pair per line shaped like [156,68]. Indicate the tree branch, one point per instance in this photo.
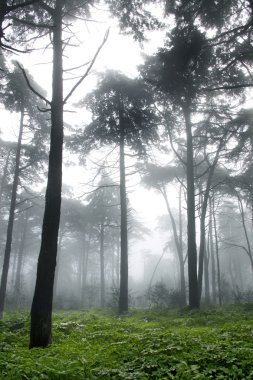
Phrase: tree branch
[21,5]
[88,68]
[232,87]
[30,86]
[32,23]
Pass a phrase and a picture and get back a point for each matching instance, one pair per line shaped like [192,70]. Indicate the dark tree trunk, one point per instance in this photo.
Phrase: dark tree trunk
[7,252]
[123,291]
[17,286]
[3,13]
[206,276]
[102,266]
[58,263]
[118,263]
[213,268]
[202,242]
[3,179]
[41,312]
[191,222]
[178,243]
[217,256]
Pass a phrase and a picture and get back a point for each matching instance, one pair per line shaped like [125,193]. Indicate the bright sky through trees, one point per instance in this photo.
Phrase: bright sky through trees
[120,53]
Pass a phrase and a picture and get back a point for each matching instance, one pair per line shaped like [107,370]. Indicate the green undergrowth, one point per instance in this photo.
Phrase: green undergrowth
[179,344]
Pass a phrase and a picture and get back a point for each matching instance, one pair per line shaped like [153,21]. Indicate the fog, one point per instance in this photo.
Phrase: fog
[174,190]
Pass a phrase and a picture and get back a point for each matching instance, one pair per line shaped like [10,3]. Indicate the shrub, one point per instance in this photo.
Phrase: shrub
[159,295]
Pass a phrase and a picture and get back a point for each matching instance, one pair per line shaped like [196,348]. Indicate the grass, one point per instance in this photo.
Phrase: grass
[207,344]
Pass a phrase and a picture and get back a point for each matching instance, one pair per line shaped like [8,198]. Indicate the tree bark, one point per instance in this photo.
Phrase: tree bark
[118,263]
[178,243]
[85,266]
[7,252]
[217,256]
[248,250]
[212,253]
[57,267]
[123,291]
[3,179]
[191,222]
[206,276]
[203,219]
[41,312]
[102,266]
[17,286]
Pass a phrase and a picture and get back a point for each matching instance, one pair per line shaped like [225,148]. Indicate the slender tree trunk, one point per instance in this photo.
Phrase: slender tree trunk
[217,256]
[13,269]
[206,276]
[118,263]
[85,267]
[191,222]
[3,179]
[178,244]
[102,266]
[113,264]
[202,243]
[203,219]
[17,286]
[249,252]
[41,312]
[213,269]
[83,270]
[123,292]
[80,276]
[7,252]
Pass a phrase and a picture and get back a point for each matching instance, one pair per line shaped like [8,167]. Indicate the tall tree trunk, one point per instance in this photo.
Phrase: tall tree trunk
[178,243]
[123,291]
[3,13]
[7,251]
[41,312]
[85,266]
[102,266]
[203,219]
[17,286]
[206,276]
[57,268]
[191,222]
[217,256]
[118,263]
[3,179]
[248,250]
[213,269]
[82,270]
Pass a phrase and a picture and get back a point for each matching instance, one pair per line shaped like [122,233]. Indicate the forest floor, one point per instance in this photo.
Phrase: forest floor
[156,344]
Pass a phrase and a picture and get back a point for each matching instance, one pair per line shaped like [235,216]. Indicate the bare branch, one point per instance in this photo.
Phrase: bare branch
[76,67]
[232,87]
[30,86]
[12,49]
[89,67]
